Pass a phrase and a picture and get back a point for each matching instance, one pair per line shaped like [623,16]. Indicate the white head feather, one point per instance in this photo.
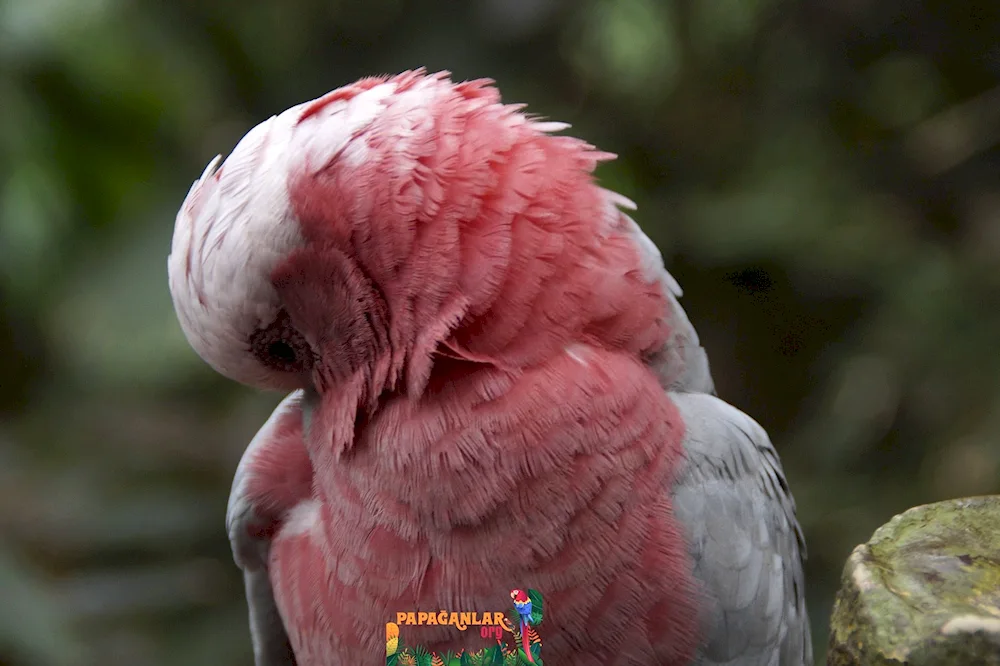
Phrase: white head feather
[237,224]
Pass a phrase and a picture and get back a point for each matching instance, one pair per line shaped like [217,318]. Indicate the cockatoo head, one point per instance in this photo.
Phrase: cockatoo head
[351,240]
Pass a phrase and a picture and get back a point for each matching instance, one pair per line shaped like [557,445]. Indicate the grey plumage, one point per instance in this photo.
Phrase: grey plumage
[681,363]
[271,646]
[733,501]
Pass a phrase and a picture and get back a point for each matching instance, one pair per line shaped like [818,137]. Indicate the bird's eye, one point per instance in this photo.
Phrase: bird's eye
[281,352]
[281,347]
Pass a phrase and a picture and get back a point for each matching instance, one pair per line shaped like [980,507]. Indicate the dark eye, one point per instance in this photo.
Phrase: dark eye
[281,347]
[282,352]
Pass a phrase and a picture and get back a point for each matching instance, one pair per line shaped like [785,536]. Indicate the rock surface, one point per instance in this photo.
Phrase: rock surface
[924,591]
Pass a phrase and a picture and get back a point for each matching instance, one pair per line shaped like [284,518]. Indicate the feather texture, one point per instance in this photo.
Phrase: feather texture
[747,545]
[498,389]
[553,478]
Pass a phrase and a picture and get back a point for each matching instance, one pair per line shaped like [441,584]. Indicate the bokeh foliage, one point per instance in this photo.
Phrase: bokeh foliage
[822,178]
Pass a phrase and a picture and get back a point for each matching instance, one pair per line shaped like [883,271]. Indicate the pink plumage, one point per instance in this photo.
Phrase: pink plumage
[482,231]
[482,337]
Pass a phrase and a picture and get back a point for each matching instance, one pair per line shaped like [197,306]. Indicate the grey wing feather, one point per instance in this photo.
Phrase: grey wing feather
[733,501]
[681,364]
[732,498]
[271,646]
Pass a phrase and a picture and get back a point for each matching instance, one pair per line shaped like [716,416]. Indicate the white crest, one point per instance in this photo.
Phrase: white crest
[237,224]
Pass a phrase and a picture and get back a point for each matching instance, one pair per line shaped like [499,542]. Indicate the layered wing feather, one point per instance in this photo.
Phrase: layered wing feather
[732,498]
[273,477]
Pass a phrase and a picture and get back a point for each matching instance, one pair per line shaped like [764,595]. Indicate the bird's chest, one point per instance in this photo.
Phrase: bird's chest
[344,585]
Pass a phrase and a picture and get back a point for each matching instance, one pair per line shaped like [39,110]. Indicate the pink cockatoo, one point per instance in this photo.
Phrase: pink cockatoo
[493,387]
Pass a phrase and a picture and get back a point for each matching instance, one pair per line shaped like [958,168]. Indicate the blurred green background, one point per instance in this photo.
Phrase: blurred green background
[821,176]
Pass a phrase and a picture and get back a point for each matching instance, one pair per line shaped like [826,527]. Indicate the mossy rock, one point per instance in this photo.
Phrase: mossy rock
[924,591]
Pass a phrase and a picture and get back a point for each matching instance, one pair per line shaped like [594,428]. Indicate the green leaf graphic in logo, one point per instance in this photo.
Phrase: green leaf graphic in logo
[536,606]
[494,656]
[423,656]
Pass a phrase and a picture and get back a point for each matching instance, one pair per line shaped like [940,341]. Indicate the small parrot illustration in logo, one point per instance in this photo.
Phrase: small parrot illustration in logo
[522,604]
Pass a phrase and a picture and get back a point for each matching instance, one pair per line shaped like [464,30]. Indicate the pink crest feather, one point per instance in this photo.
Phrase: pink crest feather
[485,234]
